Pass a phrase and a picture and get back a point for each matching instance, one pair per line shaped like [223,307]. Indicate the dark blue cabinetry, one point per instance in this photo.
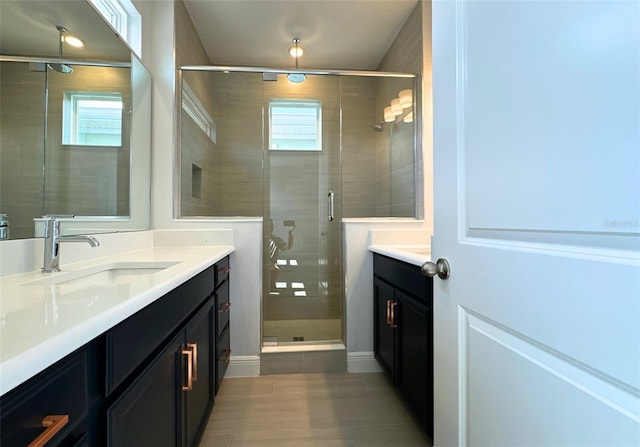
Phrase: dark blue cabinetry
[403,334]
[150,380]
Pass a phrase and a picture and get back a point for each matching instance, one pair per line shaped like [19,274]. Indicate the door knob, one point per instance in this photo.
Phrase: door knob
[440,268]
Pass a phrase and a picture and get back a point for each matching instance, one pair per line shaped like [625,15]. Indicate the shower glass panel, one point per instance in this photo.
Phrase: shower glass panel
[302,300]
[302,156]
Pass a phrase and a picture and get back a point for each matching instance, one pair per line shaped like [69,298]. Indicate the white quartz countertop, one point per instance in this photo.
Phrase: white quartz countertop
[412,254]
[40,324]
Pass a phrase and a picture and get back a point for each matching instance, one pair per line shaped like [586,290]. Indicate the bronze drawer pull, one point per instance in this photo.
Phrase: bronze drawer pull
[393,315]
[224,308]
[194,348]
[226,357]
[189,354]
[53,424]
[224,269]
[389,312]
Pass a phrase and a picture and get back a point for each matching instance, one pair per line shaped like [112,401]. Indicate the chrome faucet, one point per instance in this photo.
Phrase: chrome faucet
[52,241]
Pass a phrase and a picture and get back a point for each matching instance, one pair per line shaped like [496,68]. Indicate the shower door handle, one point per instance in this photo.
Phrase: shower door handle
[330,213]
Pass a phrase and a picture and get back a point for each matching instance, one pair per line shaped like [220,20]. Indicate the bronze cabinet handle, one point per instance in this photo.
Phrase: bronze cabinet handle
[53,424]
[226,357]
[224,308]
[189,354]
[393,315]
[224,269]
[194,348]
[389,312]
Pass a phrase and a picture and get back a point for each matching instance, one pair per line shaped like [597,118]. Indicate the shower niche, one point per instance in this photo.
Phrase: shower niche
[302,156]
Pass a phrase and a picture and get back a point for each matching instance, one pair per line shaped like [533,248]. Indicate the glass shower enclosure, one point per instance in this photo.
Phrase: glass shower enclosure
[302,156]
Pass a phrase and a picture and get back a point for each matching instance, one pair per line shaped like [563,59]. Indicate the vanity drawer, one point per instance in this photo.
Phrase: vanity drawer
[404,276]
[60,390]
[223,354]
[134,340]
[223,308]
[222,270]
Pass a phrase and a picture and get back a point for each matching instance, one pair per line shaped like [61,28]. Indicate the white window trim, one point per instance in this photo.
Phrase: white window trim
[125,20]
[70,115]
[194,108]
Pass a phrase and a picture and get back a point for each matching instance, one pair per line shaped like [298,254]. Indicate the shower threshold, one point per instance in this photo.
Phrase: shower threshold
[271,345]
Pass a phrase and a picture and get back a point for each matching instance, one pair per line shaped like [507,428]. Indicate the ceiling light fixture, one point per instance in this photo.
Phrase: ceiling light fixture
[296,50]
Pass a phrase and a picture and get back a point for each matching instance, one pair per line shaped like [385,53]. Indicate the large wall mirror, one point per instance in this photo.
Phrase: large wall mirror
[75,123]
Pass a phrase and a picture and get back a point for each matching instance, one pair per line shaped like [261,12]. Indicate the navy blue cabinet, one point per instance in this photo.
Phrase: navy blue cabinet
[223,310]
[403,334]
[148,381]
[58,395]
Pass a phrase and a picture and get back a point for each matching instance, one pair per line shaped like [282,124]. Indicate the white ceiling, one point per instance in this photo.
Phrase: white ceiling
[338,34]
[28,28]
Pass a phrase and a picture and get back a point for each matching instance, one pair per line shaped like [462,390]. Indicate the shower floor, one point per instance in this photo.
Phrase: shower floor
[284,331]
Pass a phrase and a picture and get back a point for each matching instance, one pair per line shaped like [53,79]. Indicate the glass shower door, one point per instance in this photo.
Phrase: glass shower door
[303,296]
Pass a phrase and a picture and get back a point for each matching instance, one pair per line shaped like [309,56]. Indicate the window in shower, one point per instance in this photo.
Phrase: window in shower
[295,125]
[92,119]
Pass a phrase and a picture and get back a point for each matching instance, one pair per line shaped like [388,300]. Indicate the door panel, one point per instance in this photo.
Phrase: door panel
[536,137]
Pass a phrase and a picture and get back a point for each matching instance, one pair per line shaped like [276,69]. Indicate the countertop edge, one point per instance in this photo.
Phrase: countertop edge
[406,253]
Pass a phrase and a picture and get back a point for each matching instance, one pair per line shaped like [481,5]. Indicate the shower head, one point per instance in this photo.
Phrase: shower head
[61,68]
[379,126]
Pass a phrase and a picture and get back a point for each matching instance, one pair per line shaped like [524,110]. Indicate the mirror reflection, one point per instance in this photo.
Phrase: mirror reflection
[72,130]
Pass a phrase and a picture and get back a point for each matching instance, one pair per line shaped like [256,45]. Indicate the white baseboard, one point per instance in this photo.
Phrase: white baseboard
[249,365]
[243,366]
[359,362]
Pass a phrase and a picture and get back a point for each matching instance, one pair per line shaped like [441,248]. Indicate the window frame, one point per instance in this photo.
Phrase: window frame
[315,104]
[70,120]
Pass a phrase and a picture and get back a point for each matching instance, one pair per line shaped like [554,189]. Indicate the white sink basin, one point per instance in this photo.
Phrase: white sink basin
[104,275]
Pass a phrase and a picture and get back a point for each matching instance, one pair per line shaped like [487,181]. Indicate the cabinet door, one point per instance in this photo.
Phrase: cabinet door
[384,333]
[414,376]
[200,333]
[147,413]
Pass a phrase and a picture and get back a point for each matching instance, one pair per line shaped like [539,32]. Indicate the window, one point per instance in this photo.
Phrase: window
[92,119]
[124,19]
[196,111]
[295,125]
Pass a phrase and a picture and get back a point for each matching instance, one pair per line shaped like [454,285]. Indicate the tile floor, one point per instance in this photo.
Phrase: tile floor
[310,410]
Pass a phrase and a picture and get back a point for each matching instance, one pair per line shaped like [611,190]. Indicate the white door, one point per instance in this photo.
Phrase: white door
[537,209]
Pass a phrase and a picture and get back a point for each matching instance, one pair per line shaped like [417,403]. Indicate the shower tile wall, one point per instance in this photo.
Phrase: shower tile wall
[21,145]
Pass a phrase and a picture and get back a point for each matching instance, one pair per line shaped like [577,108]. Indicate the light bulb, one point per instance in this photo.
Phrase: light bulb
[396,108]
[296,50]
[408,118]
[388,115]
[73,41]
[406,98]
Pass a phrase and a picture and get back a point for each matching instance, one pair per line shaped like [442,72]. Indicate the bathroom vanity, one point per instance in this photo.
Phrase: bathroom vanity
[148,378]
[403,330]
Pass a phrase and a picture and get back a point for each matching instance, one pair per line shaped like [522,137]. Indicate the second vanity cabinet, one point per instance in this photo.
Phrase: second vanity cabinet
[403,333]
[148,381]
